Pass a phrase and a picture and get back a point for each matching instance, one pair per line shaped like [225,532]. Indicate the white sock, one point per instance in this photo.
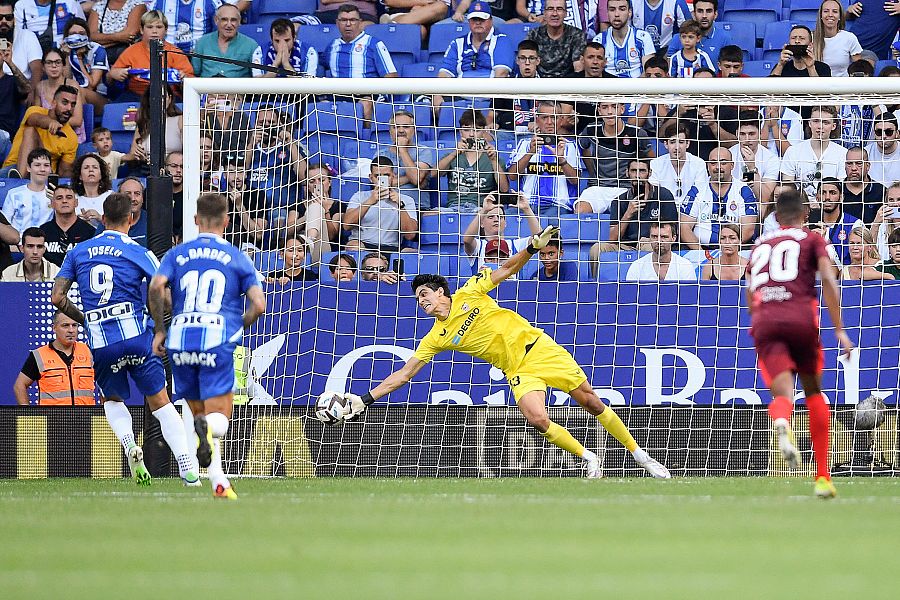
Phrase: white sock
[218,426]
[190,436]
[119,420]
[173,432]
[588,455]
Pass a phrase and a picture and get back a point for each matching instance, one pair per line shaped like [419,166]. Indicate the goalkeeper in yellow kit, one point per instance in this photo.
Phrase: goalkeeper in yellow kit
[470,321]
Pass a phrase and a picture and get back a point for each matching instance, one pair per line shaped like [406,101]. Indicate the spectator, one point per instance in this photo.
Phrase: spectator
[808,162]
[88,63]
[489,225]
[472,168]
[375,267]
[560,46]
[226,42]
[803,63]
[319,219]
[887,222]
[277,164]
[293,253]
[884,152]
[593,61]
[690,57]
[64,369]
[329,10]
[863,258]
[8,236]
[223,120]
[133,64]
[419,12]
[101,138]
[116,24]
[712,38]
[856,119]
[54,64]
[836,222]
[483,52]
[33,266]
[35,16]
[175,169]
[708,126]
[875,25]
[862,196]
[48,129]
[770,222]
[754,164]
[553,267]
[729,264]
[832,44]
[647,116]
[381,219]
[14,89]
[415,162]
[342,267]
[661,19]
[782,127]
[134,189]
[547,165]
[26,206]
[91,181]
[288,53]
[661,264]
[643,203]
[724,200]
[731,62]
[208,162]
[678,170]
[189,20]
[26,50]
[247,206]
[140,143]
[627,47]
[65,229]
[891,263]
[517,113]
[496,252]
[610,144]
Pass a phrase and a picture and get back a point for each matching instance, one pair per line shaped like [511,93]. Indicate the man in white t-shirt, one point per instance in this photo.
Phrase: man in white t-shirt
[488,226]
[26,50]
[884,152]
[661,264]
[679,170]
[27,205]
[380,218]
[782,127]
[808,162]
[754,164]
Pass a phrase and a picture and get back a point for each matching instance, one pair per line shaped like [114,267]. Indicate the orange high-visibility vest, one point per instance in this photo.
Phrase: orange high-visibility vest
[65,385]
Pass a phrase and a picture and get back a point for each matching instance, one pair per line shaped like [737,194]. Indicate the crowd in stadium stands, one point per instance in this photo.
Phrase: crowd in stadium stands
[671,183]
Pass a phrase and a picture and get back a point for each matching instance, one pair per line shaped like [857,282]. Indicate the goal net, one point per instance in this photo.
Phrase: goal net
[343,190]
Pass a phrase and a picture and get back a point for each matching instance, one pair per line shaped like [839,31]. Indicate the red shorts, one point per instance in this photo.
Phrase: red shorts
[787,346]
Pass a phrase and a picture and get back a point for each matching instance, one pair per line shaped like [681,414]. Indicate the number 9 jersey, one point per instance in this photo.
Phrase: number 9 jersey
[208,277]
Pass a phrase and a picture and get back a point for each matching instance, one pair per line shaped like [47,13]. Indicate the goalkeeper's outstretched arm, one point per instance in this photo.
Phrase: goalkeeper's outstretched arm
[394,381]
[518,260]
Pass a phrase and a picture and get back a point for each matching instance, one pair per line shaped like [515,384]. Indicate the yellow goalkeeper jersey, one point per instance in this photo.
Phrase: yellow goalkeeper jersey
[478,326]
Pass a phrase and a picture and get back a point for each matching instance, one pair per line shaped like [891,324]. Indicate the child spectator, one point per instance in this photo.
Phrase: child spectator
[891,265]
[690,57]
[553,268]
[472,167]
[101,138]
[342,267]
[26,206]
[294,255]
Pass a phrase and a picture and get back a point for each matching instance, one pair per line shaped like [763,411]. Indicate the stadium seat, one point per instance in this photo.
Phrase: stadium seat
[443,231]
[120,119]
[582,230]
[322,148]
[614,265]
[759,68]
[776,36]
[7,184]
[267,261]
[353,149]
[287,8]
[404,41]
[804,10]
[440,37]
[258,32]
[450,112]
[319,37]
[423,69]
[742,36]
[881,64]
[385,110]
[516,32]
[343,118]
[749,11]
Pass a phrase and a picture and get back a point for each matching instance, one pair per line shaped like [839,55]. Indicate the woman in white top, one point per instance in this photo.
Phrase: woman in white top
[140,145]
[863,258]
[56,68]
[832,44]
[886,220]
[91,182]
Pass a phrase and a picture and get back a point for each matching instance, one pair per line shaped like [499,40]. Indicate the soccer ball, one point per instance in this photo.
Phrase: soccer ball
[331,407]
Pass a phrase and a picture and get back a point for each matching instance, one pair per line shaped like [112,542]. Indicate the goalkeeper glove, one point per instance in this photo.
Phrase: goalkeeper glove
[539,240]
[358,405]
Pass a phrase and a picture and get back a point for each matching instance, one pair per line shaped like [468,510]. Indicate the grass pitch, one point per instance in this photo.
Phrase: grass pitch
[436,539]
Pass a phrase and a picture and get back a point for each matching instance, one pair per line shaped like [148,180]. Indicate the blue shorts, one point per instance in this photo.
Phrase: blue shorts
[113,364]
[203,375]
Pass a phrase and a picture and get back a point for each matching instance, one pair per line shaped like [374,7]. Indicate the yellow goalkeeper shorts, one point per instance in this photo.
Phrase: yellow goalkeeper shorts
[547,364]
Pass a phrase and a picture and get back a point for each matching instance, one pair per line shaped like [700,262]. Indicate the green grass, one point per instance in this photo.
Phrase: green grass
[436,539]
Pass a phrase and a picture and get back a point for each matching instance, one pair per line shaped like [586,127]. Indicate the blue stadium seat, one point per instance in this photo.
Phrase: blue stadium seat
[614,265]
[404,41]
[440,36]
[582,230]
[87,110]
[422,69]
[442,231]
[776,36]
[750,11]
[322,148]
[352,149]
[340,117]
[385,110]
[259,33]
[803,10]
[267,261]
[120,118]
[343,187]
[319,37]
[517,31]
[742,36]
[7,184]
[287,8]
[449,114]
[759,68]
[884,63]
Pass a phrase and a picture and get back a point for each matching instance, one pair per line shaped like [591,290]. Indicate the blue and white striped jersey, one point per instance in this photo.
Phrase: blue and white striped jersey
[110,270]
[304,58]
[363,56]
[679,66]
[712,212]
[208,277]
[662,22]
[463,59]
[626,60]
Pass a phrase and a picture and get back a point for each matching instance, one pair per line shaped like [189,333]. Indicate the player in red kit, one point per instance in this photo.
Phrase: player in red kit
[785,326]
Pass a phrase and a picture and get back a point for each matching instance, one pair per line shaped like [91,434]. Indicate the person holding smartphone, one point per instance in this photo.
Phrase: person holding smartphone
[472,167]
[380,218]
[796,59]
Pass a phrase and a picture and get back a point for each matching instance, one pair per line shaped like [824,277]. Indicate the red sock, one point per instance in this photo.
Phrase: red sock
[818,431]
[781,408]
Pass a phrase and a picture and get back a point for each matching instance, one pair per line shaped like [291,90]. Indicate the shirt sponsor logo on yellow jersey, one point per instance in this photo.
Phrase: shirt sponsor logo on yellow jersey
[465,326]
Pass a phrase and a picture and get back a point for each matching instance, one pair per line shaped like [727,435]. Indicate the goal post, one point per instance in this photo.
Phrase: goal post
[674,359]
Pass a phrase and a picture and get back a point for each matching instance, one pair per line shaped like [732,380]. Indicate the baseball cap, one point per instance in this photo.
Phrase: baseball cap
[478,10]
[499,246]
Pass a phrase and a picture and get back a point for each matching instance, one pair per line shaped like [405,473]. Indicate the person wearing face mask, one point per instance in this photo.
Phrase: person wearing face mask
[88,62]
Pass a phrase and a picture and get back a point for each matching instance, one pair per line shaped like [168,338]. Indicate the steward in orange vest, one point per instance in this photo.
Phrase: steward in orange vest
[63,369]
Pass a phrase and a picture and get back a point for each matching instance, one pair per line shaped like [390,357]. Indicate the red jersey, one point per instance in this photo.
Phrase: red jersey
[782,275]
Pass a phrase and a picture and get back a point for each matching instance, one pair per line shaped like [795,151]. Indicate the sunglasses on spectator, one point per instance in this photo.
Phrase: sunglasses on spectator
[381,269]
[880,132]
[9,17]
